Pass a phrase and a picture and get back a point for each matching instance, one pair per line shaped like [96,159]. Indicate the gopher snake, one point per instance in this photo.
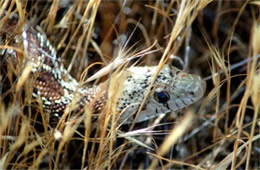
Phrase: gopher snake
[172,90]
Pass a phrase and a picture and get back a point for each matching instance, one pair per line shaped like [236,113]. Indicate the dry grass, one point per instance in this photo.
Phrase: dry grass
[221,131]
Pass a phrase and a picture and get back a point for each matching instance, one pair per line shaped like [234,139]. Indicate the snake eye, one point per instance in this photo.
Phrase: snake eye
[161,97]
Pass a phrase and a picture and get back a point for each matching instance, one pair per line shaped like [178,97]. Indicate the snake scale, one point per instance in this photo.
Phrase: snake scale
[172,90]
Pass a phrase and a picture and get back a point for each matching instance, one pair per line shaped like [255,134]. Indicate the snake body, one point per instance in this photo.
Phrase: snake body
[172,90]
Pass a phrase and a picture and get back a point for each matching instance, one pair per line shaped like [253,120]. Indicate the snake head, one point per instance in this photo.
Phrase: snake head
[172,90]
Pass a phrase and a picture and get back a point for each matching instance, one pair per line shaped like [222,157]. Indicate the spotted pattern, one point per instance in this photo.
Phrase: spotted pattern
[58,89]
[181,89]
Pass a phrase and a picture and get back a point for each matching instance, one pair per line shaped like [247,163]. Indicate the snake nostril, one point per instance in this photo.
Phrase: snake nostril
[196,86]
[204,85]
[201,87]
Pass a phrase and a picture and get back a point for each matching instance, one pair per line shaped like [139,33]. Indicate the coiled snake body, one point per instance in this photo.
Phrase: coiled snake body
[172,90]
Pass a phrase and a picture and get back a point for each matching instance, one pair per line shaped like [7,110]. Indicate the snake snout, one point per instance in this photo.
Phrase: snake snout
[196,87]
[191,86]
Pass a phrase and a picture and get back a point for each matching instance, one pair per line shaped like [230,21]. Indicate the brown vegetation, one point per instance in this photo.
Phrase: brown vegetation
[218,40]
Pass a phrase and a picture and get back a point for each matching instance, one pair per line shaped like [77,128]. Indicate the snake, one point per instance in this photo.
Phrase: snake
[172,90]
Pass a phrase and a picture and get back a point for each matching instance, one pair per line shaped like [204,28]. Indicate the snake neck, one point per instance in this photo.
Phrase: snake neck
[57,95]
